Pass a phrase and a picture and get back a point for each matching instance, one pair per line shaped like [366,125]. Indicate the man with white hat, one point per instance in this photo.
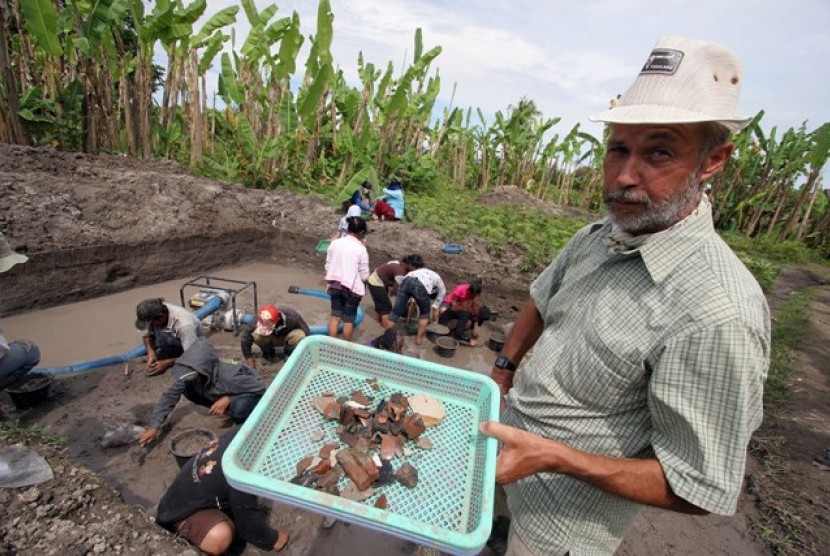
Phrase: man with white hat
[651,340]
[20,356]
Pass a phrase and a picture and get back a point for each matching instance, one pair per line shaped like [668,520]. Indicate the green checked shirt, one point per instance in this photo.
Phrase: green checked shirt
[657,351]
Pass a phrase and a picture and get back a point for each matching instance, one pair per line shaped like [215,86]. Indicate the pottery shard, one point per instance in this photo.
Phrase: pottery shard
[347,416]
[332,411]
[359,467]
[424,443]
[320,403]
[360,397]
[388,446]
[327,449]
[413,426]
[317,436]
[407,475]
[432,411]
[330,478]
[304,464]
[399,399]
[352,492]
[382,502]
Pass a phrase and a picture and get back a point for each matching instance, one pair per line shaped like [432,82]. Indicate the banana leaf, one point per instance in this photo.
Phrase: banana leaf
[41,20]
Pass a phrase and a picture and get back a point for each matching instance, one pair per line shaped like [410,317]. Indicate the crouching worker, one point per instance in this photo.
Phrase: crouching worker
[167,331]
[274,328]
[228,389]
[205,510]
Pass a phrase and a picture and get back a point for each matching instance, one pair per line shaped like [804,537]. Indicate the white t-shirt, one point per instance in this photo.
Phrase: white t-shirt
[343,226]
[182,324]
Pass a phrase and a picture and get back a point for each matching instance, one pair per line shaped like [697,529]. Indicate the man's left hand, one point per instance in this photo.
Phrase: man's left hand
[522,453]
[220,406]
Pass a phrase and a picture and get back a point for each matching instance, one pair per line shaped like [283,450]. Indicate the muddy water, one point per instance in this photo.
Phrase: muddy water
[101,327]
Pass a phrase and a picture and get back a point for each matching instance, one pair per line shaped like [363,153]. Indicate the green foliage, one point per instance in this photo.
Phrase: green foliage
[787,334]
[13,433]
[55,122]
[535,235]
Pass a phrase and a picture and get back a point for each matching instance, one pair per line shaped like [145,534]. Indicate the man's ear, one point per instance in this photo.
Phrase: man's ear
[715,160]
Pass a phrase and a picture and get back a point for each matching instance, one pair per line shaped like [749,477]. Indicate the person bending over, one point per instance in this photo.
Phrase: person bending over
[383,282]
[202,508]
[462,310]
[228,389]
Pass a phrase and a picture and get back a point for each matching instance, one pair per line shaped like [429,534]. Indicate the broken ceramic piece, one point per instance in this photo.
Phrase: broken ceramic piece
[352,492]
[431,410]
[382,502]
[359,467]
[407,475]
[424,443]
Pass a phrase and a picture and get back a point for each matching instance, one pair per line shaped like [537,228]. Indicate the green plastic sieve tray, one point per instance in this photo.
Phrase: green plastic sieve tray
[451,507]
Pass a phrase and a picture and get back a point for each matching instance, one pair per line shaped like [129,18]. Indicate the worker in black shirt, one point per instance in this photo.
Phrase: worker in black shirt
[204,509]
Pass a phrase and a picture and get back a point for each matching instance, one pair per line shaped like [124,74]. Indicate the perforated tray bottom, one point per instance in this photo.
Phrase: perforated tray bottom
[450,508]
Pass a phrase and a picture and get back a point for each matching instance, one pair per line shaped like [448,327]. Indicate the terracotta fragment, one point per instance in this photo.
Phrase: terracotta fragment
[407,475]
[388,446]
[327,449]
[332,411]
[320,403]
[304,464]
[329,479]
[413,426]
[360,397]
[424,443]
[399,399]
[323,467]
[375,386]
[382,502]
[353,493]
[359,467]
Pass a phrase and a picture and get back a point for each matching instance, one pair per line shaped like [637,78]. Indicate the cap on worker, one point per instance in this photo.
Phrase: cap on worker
[8,257]
[147,310]
[682,81]
[269,316]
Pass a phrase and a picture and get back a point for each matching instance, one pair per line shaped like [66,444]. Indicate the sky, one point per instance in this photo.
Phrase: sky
[572,57]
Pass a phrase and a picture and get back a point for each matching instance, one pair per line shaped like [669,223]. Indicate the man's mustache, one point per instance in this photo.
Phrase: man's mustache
[628,196]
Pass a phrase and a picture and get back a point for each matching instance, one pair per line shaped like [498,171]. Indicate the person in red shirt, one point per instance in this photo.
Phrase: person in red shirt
[462,309]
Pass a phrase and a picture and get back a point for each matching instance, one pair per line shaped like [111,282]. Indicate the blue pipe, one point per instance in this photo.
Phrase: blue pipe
[320,329]
[213,304]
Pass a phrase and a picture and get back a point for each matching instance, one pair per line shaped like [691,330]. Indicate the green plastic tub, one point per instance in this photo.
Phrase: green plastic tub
[451,508]
[323,246]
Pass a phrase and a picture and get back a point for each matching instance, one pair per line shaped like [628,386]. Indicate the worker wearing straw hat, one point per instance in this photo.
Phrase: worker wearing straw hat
[20,356]
[651,340]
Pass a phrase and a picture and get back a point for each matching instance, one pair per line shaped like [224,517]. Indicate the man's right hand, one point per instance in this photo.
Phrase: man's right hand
[250,363]
[148,436]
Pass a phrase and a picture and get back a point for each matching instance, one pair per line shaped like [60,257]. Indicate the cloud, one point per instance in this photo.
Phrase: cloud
[572,58]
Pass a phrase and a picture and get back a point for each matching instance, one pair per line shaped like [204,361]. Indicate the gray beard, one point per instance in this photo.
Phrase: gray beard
[658,216]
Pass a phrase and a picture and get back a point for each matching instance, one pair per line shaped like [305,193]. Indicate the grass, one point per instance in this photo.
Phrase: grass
[788,332]
[456,213]
[784,531]
[14,433]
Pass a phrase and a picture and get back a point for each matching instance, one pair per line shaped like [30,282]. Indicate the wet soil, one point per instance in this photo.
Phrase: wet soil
[104,232]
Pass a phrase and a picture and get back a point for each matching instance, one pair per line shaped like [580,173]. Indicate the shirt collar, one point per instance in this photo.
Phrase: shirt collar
[663,251]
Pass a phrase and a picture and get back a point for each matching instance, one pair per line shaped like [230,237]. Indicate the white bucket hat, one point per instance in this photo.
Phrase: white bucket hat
[9,258]
[683,81]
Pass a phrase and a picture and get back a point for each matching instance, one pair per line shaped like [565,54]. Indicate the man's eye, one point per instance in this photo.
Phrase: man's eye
[660,154]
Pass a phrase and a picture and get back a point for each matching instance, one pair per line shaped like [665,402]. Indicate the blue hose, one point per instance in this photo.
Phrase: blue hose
[212,305]
[322,329]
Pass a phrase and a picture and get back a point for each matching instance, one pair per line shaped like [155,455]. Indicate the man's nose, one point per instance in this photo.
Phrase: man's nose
[629,174]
